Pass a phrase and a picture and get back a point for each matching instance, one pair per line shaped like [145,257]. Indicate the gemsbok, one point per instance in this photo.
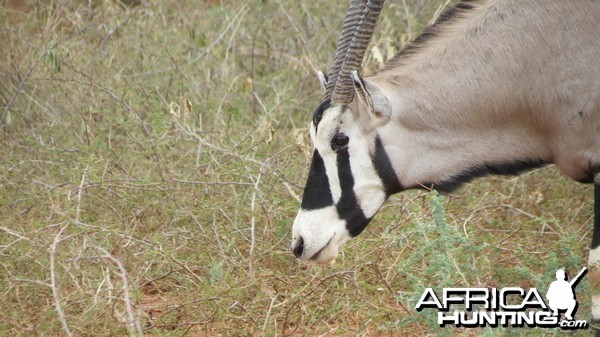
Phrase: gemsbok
[492,87]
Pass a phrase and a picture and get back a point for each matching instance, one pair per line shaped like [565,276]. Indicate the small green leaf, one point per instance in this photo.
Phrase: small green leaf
[54,61]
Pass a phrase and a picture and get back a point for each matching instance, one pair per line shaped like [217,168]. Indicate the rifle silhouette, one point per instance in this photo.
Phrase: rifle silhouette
[576,278]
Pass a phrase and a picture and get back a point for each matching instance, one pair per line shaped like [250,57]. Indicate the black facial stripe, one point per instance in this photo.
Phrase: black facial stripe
[317,193]
[318,114]
[348,208]
[508,168]
[385,170]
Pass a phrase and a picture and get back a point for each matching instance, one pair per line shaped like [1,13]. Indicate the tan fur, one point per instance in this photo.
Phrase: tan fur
[507,80]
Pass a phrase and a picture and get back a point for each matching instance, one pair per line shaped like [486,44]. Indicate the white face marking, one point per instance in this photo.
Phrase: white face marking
[324,238]
[368,187]
[323,230]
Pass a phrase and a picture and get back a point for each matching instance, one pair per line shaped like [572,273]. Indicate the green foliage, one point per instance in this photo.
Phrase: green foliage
[216,273]
[54,61]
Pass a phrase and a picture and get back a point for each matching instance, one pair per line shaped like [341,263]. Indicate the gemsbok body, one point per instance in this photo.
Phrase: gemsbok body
[493,87]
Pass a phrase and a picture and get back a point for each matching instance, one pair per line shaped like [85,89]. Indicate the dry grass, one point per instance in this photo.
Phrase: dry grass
[152,156]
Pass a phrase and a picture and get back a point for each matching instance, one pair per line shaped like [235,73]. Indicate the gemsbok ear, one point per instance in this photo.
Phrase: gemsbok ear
[323,78]
[371,96]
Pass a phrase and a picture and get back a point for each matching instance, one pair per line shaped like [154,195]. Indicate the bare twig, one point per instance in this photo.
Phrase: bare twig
[14,233]
[133,325]
[210,319]
[198,182]
[291,192]
[54,286]
[438,12]
[214,225]
[509,236]
[252,226]
[33,281]
[273,298]
[79,193]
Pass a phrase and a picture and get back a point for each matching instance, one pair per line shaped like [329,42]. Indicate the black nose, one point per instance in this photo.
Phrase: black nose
[298,247]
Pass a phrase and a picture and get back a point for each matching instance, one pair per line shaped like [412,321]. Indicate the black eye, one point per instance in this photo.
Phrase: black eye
[340,140]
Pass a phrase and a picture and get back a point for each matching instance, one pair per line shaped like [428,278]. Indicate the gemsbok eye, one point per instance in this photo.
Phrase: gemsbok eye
[340,140]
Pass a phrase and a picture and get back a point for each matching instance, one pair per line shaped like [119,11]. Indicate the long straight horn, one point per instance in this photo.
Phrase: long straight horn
[353,18]
[344,86]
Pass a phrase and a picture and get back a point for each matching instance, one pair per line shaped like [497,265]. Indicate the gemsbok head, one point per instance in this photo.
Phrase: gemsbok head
[493,87]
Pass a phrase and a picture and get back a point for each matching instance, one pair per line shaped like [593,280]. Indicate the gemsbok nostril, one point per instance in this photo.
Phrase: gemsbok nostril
[298,247]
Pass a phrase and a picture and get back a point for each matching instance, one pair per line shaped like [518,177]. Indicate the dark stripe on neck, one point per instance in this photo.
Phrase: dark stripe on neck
[317,193]
[510,168]
[385,170]
[348,208]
